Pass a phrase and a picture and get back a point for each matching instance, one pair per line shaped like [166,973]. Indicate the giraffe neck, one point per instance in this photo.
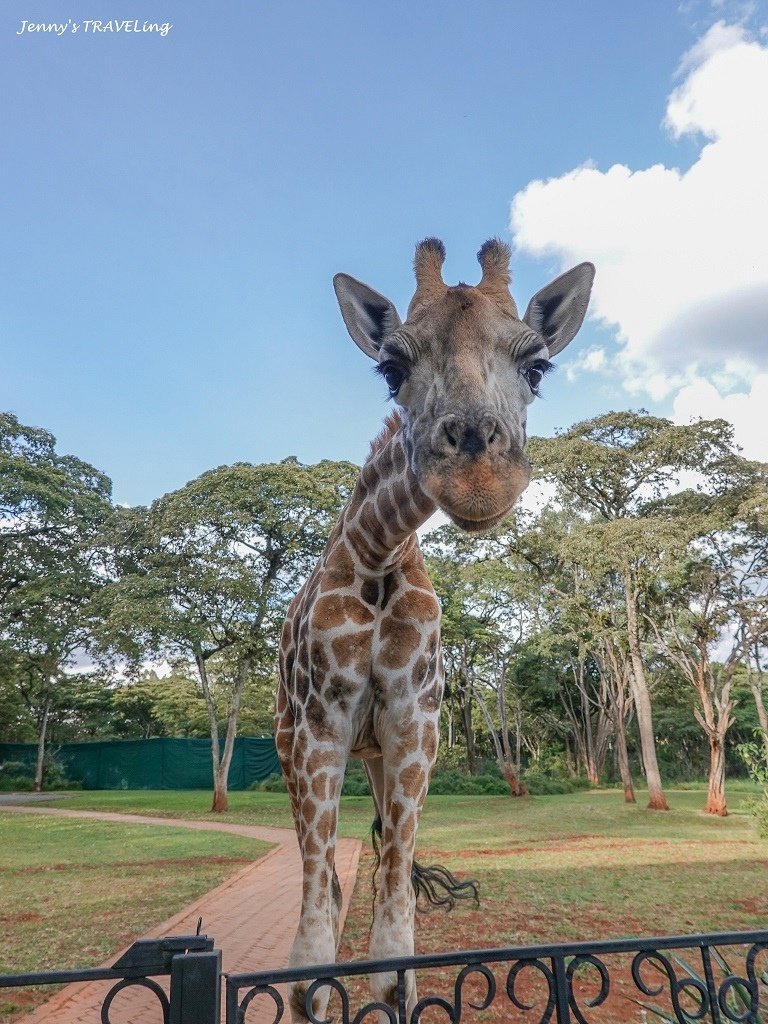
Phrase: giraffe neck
[387,505]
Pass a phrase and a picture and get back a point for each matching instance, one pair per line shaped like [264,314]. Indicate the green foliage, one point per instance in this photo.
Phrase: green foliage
[756,760]
[18,776]
[355,782]
[453,783]
[447,781]
[204,574]
[15,777]
[451,777]
[272,784]
[540,784]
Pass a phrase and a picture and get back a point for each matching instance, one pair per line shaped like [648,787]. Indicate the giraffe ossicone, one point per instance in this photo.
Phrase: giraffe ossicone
[360,667]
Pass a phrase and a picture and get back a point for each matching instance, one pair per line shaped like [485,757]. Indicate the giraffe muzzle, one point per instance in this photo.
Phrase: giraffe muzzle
[476,491]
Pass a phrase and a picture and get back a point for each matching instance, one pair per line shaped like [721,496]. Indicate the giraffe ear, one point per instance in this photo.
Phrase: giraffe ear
[558,310]
[369,316]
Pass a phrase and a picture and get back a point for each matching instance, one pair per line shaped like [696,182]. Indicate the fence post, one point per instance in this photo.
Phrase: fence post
[196,988]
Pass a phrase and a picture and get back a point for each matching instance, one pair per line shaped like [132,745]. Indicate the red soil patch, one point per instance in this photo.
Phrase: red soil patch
[27,917]
[159,863]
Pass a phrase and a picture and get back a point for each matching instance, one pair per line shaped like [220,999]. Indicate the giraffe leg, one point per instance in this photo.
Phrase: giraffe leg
[318,788]
[399,781]
[284,726]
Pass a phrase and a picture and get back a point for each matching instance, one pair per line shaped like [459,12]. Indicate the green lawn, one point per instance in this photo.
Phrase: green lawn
[463,823]
[580,866]
[554,867]
[76,891]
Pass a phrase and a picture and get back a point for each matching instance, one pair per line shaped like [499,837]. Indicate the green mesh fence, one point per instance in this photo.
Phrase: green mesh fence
[153,764]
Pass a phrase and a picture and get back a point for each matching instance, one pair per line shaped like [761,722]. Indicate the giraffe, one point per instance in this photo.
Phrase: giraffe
[361,673]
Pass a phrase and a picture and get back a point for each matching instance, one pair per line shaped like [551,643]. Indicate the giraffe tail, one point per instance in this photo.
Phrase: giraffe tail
[435,886]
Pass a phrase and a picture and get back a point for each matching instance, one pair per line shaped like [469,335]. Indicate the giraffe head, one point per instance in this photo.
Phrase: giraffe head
[463,369]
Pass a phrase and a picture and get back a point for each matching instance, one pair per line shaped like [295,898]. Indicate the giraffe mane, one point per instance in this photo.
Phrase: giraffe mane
[392,424]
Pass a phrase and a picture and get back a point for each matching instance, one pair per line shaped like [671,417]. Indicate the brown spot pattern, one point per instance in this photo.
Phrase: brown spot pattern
[398,642]
[335,610]
[417,605]
[353,650]
[413,778]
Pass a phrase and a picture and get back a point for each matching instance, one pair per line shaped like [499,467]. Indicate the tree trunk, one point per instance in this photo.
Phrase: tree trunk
[220,800]
[755,680]
[465,706]
[510,767]
[623,758]
[716,791]
[511,777]
[615,670]
[715,718]
[221,775]
[642,698]
[518,741]
[41,731]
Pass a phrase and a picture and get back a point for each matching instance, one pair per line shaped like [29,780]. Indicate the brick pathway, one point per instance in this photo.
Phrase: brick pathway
[252,917]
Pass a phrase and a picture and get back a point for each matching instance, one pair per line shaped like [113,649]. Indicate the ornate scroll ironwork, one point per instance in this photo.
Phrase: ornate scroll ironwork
[572,983]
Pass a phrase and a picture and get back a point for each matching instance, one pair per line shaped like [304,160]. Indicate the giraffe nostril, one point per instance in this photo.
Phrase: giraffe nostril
[451,433]
[494,434]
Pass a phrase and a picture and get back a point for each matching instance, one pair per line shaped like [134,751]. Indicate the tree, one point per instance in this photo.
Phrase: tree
[717,597]
[204,575]
[689,637]
[51,509]
[613,470]
[752,592]
[485,621]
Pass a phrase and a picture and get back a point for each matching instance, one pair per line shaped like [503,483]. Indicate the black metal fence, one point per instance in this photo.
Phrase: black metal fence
[715,978]
[191,962]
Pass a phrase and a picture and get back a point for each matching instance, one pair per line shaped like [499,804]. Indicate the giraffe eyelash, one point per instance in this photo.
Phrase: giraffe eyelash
[393,373]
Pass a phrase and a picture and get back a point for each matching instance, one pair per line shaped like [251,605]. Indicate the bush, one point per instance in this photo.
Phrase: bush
[753,756]
[451,759]
[451,782]
[355,782]
[540,784]
[273,784]
[55,774]
[15,777]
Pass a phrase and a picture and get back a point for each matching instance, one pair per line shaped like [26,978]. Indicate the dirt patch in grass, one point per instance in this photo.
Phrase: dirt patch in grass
[26,917]
[173,862]
[575,888]
[75,893]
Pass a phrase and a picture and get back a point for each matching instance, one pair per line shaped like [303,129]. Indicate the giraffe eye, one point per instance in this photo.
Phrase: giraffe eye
[534,374]
[393,375]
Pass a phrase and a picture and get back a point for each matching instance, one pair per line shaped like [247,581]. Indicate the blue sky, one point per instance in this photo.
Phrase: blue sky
[174,208]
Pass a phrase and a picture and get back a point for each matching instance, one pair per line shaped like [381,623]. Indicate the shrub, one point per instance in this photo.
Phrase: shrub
[540,784]
[355,780]
[15,777]
[55,774]
[452,781]
[451,759]
[272,784]
[754,758]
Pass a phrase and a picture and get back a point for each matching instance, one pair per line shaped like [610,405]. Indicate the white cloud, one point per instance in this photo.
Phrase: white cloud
[746,410]
[682,274]
[592,360]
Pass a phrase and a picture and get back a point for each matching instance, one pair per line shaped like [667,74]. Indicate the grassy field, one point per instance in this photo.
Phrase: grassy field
[580,866]
[76,891]
[555,867]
